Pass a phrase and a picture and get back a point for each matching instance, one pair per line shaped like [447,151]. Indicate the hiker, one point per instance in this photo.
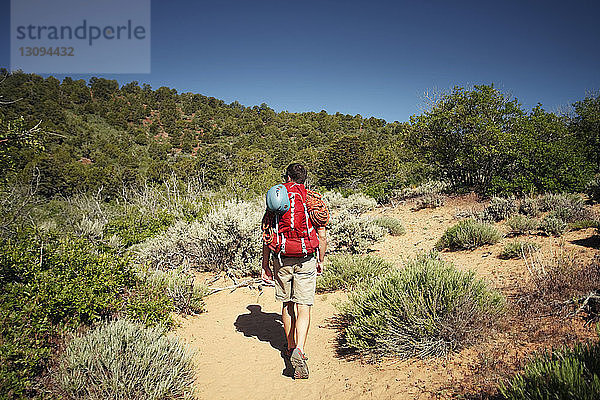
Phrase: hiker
[295,239]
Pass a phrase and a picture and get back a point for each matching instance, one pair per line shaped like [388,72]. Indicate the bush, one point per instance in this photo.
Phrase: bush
[135,227]
[356,203]
[48,283]
[520,224]
[345,271]
[584,224]
[560,276]
[567,373]
[500,208]
[593,189]
[150,306]
[468,234]
[517,249]
[354,233]
[428,308]
[529,206]
[431,200]
[229,238]
[424,189]
[179,286]
[552,225]
[567,207]
[392,225]
[124,360]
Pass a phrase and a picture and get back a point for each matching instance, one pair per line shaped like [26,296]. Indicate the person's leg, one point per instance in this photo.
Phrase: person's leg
[288,316]
[302,324]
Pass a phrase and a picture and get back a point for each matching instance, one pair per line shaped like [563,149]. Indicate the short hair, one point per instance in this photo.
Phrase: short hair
[296,172]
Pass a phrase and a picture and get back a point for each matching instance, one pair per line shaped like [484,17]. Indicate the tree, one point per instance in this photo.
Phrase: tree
[586,125]
[464,135]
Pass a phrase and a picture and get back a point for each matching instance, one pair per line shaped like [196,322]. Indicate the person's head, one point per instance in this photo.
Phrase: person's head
[295,172]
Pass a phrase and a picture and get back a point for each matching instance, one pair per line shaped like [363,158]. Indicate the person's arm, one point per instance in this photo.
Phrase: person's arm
[267,273]
[322,234]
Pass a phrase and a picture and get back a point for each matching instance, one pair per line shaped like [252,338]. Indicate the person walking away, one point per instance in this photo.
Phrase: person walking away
[296,242]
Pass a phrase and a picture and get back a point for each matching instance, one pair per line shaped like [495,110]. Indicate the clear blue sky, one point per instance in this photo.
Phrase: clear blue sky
[373,58]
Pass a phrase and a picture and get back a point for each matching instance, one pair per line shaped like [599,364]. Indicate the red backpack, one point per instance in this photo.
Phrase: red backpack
[295,235]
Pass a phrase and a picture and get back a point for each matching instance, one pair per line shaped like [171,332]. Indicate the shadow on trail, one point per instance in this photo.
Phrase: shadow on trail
[591,242]
[266,327]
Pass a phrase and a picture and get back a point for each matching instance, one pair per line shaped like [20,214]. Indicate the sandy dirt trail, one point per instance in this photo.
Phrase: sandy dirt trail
[238,341]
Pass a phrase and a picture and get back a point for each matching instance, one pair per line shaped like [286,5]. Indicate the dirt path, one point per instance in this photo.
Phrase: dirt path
[238,341]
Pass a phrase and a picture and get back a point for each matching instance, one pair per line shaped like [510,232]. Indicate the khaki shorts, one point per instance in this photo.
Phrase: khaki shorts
[296,280]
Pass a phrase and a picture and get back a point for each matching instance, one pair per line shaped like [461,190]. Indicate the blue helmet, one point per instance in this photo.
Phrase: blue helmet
[278,200]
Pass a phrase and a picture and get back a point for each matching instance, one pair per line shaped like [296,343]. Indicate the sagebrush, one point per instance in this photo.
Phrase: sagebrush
[347,271]
[520,224]
[228,238]
[393,226]
[500,208]
[518,249]
[468,234]
[428,308]
[354,233]
[126,361]
[566,373]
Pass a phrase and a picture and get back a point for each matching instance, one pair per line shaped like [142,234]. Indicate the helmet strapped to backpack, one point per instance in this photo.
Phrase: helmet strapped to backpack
[278,200]
[295,235]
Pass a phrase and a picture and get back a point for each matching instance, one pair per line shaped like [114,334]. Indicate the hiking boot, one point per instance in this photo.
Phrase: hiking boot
[298,361]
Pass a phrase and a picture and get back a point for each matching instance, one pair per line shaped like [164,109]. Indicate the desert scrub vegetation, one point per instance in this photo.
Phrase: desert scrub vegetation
[348,271]
[468,234]
[559,275]
[520,225]
[180,286]
[567,207]
[430,200]
[428,308]
[500,208]
[517,249]
[125,360]
[529,206]
[226,239]
[565,373]
[553,226]
[593,189]
[393,226]
[424,189]
[353,233]
[356,203]
[49,284]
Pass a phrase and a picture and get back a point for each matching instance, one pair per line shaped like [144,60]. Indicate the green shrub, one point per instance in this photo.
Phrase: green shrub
[48,283]
[520,224]
[584,224]
[516,249]
[468,234]
[567,373]
[135,227]
[124,360]
[552,225]
[500,208]
[567,207]
[593,189]
[187,297]
[529,206]
[150,306]
[345,271]
[428,308]
[353,233]
[393,225]
[229,238]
